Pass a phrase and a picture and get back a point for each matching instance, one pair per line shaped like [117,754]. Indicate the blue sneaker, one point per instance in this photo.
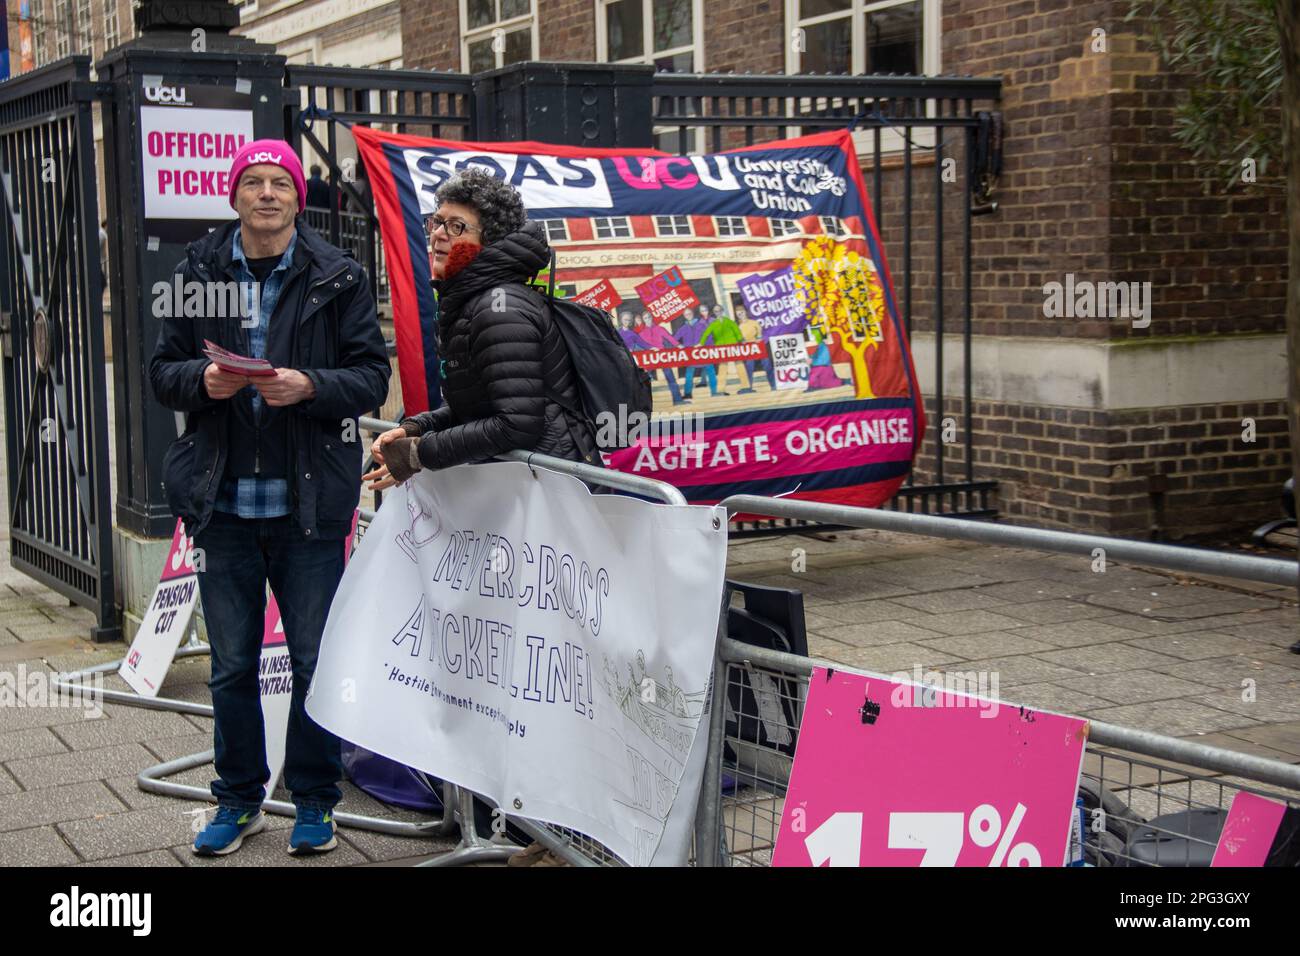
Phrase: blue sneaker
[313,832]
[226,833]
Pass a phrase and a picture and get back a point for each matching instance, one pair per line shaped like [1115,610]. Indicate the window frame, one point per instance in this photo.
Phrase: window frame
[612,221]
[674,227]
[931,35]
[62,41]
[694,137]
[832,226]
[794,230]
[891,140]
[112,37]
[83,15]
[564,230]
[478,34]
[725,232]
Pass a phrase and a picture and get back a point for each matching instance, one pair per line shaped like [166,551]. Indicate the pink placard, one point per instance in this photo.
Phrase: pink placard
[1248,832]
[180,556]
[893,774]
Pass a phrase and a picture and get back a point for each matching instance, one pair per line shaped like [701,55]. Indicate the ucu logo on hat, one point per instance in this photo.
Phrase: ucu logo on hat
[275,151]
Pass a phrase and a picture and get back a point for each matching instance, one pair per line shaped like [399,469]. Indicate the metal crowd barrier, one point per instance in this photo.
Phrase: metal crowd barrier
[1136,775]
[1133,776]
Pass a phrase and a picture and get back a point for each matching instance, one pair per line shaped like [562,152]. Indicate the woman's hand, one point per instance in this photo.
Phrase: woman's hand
[379,478]
[377,449]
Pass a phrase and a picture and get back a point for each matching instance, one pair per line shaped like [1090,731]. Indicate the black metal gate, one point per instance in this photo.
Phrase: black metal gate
[52,331]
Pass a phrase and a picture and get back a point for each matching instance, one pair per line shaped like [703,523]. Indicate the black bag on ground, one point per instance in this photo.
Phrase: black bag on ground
[610,383]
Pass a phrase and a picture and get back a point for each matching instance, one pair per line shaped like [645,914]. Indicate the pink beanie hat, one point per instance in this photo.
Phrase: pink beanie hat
[274,151]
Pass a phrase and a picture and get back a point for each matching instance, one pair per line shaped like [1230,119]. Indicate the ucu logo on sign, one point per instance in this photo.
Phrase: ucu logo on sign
[166,94]
[264,157]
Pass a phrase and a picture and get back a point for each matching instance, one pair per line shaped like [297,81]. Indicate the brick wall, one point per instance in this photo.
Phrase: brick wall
[1091,470]
[431,34]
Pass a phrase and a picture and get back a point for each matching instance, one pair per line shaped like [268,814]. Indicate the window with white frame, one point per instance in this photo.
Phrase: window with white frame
[62,35]
[85,36]
[663,32]
[831,226]
[555,229]
[731,226]
[37,17]
[863,36]
[613,227]
[112,30]
[666,33]
[785,227]
[673,225]
[497,33]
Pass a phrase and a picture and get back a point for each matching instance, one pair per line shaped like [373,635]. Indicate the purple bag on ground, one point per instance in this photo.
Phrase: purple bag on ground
[391,782]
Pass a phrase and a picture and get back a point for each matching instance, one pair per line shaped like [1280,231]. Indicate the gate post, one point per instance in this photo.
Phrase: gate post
[184,74]
[569,104]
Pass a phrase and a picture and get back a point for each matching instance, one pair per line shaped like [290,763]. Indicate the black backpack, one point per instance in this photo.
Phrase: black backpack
[609,380]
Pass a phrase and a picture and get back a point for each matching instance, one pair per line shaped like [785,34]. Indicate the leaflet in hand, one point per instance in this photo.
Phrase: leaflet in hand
[236,364]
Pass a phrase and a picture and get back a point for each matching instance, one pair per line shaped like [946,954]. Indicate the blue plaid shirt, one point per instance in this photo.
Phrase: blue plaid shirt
[257,497]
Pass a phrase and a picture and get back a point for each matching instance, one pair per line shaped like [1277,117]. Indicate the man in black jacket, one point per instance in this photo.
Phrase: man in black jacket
[266,474]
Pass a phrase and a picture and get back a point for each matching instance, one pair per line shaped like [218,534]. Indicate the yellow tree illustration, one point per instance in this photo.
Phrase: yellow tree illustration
[842,295]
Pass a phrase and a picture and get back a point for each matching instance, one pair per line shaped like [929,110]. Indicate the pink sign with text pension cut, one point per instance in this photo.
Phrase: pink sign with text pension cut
[904,774]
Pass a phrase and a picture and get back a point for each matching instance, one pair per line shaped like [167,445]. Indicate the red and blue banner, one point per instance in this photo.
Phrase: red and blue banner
[751,283]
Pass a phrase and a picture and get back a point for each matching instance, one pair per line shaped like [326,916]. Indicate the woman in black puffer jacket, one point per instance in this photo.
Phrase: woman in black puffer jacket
[507,380]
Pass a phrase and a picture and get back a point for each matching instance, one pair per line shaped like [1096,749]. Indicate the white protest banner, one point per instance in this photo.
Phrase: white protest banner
[502,628]
[166,619]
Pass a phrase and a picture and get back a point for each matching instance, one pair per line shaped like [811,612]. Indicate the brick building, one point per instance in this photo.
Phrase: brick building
[1167,419]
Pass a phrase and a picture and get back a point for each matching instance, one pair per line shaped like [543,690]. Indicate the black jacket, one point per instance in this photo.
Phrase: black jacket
[336,343]
[507,378]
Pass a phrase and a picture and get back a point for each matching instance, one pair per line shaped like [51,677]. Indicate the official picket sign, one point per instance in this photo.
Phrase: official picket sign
[892,773]
[502,628]
[189,135]
[166,619]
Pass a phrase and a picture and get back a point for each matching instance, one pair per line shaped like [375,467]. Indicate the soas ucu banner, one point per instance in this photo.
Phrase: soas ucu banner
[502,628]
[750,284]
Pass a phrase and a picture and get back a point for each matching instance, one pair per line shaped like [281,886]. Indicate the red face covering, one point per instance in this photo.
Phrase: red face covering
[459,256]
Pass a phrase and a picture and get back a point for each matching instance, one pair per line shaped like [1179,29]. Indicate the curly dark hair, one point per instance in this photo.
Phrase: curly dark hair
[498,204]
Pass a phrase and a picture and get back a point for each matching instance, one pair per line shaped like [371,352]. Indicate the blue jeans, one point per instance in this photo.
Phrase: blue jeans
[710,376]
[240,556]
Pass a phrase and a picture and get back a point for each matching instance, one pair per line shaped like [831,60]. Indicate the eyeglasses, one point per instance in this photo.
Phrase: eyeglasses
[454,227]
